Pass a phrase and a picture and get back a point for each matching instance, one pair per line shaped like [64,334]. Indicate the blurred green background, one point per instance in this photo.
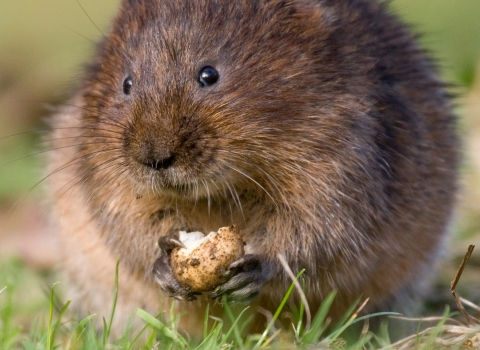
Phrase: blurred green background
[43,45]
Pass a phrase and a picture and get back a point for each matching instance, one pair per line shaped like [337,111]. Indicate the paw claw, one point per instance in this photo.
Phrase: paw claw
[187,297]
[168,243]
[163,274]
[245,263]
[249,273]
[178,243]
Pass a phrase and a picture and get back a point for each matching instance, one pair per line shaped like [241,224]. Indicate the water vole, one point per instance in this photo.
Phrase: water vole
[318,128]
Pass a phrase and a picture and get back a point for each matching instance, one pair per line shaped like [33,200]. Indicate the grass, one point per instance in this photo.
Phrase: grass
[52,325]
[41,321]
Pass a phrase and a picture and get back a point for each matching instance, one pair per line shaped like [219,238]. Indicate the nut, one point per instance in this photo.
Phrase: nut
[203,264]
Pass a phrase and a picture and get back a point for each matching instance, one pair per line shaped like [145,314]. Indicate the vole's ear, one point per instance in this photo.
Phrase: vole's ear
[305,15]
[317,11]
[306,10]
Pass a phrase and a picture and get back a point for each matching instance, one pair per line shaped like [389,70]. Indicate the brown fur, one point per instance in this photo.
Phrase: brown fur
[327,139]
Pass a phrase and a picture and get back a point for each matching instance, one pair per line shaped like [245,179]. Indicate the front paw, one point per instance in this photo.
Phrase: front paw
[163,273]
[249,274]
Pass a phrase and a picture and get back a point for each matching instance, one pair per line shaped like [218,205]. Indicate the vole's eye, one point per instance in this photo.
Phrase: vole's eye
[127,85]
[208,76]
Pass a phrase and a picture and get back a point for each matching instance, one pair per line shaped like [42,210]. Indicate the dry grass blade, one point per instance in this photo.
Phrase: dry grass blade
[449,336]
[464,336]
[470,304]
[435,319]
[299,289]
[453,287]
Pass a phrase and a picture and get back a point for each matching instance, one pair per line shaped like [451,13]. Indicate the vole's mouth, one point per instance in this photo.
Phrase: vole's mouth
[174,176]
[165,178]
[161,164]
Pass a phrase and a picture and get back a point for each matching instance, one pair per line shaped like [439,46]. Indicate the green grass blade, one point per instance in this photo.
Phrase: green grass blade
[438,328]
[277,313]
[346,321]
[234,328]
[59,319]
[114,306]
[52,328]
[79,331]
[144,328]
[347,315]
[8,331]
[361,343]
[83,323]
[50,318]
[158,325]
[318,326]
[104,341]
[210,341]
[205,321]
[173,317]
[298,329]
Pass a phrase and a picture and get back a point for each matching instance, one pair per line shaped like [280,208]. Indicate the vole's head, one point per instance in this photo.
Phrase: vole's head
[197,97]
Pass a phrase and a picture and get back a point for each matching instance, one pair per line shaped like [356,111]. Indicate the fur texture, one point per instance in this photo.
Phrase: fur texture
[327,138]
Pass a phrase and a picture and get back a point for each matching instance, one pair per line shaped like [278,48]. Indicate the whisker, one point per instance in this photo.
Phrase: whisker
[97,188]
[255,182]
[103,180]
[95,128]
[116,122]
[195,194]
[117,177]
[24,133]
[80,137]
[88,16]
[53,149]
[225,183]
[234,198]
[12,211]
[81,179]
[73,162]
[96,167]
[208,196]
[50,129]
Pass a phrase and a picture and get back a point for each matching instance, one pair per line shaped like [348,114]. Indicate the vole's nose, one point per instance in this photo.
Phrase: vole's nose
[160,163]
[158,157]
[161,146]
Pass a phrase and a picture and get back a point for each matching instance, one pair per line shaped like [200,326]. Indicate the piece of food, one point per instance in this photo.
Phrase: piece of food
[203,263]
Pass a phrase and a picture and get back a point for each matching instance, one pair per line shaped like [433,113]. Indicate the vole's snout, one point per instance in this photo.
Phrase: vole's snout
[170,151]
[159,164]
[159,159]
[167,151]
[154,155]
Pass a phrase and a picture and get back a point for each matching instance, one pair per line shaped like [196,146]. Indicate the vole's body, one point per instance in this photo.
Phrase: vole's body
[327,139]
